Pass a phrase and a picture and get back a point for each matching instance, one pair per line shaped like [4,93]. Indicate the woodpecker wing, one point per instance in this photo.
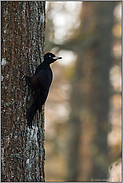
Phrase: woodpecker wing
[44,79]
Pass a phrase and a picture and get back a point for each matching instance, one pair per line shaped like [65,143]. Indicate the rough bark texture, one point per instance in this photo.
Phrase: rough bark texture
[23,26]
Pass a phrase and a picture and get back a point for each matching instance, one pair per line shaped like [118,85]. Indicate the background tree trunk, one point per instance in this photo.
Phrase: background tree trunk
[23,26]
[87,87]
[88,123]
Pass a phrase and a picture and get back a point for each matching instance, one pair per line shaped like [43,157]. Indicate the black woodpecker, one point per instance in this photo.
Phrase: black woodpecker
[40,83]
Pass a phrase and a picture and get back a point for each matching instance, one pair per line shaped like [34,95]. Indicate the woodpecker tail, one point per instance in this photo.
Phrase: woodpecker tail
[39,99]
[30,113]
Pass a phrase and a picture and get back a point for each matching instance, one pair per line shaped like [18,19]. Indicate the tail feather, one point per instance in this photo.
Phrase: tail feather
[30,113]
[39,99]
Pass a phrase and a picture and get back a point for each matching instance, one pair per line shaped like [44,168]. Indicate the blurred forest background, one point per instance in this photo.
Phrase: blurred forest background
[83,110]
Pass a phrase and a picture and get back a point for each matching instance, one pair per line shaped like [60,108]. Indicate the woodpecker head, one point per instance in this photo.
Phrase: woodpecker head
[50,58]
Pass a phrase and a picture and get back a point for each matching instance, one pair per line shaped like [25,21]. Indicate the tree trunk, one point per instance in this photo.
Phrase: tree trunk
[88,124]
[23,26]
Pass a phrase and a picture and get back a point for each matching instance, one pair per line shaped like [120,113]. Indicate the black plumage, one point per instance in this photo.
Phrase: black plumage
[40,83]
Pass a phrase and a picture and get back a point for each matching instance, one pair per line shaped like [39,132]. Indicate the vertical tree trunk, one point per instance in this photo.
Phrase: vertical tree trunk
[23,26]
[88,124]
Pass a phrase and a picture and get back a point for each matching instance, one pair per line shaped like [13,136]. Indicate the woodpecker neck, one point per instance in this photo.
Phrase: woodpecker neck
[47,62]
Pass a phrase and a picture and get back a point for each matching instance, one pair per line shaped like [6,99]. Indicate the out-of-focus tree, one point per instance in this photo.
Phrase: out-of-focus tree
[87,153]
[90,96]
[23,26]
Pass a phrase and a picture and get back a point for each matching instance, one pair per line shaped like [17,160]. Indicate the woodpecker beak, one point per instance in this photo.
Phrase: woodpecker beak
[55,58]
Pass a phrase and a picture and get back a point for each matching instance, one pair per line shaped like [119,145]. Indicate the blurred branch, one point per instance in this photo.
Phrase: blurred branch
[77,43]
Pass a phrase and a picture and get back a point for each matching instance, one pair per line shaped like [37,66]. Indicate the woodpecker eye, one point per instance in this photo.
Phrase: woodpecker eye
[49,55]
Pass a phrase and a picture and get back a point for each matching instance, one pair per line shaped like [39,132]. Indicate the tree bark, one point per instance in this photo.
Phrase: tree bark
[23,39]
